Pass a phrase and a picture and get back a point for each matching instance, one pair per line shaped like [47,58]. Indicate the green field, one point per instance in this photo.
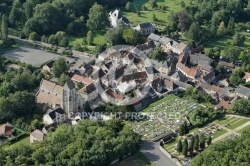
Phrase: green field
[147,15]
[245,128]
[238,124]
[219,133]
[24,141]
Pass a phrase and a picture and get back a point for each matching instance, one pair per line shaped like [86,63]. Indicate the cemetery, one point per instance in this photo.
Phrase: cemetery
[164,116]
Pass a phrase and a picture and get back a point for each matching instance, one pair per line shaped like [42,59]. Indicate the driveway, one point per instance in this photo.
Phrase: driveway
[154,154]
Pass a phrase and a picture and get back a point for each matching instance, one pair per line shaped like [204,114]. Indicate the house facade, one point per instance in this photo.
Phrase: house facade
[54,116]
[36,136]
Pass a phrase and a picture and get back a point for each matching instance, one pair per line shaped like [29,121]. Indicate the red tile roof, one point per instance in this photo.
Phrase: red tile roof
[247,75]
[84,80]
[225,104]
[114,95]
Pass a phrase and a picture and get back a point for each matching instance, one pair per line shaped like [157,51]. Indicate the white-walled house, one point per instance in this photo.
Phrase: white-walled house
[54,116]
[115,17]
[36,136]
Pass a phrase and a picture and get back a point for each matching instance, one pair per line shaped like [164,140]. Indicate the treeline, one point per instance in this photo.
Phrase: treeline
[87,143]
[207,19]
[229,152]
[15,99]
[46,17]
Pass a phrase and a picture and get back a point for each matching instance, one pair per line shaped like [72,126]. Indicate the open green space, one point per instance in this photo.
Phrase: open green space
[238,124]
[219,133]
[223,120]
[147,15]
[6,49]
[24,141]
[244,129]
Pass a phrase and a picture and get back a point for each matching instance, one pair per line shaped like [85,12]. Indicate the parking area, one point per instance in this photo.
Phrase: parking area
[37,57]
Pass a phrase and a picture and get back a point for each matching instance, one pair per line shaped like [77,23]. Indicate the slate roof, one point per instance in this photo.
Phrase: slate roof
[70,84]
[151,70]
[145,25]
[119,72]
[243,91]
[157,82]
[135,76]
[179,76]
[148,45]
[164,40]
[197,49]
[154,37]
[209,75]
[98,74]
[195,58]
[52,113]
[90,88]
[50,64]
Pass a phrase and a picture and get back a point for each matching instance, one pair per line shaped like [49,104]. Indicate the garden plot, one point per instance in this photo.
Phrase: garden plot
[162,118]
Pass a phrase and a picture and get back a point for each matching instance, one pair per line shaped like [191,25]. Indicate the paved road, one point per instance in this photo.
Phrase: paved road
[154,154]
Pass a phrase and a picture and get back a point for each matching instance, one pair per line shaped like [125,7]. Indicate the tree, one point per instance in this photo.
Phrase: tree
[193,32]
[232,53]
[152,3]
[238,40]
[97,17]
[241,106]
[128,6]
[179,146]
[185,147]
[220,69]
[33,36]
[183,4]
[209,140]
[4,27]
[186,130]
[221,29]
[158,54]
[130,36]
[191,145]
[59,67]
[196,142]
[181,130]
[184,20]
[90,38]
[236,77]
[63,79]
[154,17]
[230,26]
[202,141]
[64,42]
[87,107]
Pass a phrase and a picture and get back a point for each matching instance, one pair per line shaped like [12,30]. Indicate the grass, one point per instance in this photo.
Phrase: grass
[147,15]
[219,133]
[223,120]
[238,124]
[171,145]
[243,129]
[24,141]
[98,39]
[6,49]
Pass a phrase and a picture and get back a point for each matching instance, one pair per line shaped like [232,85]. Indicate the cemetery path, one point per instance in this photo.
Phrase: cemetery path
[155,155]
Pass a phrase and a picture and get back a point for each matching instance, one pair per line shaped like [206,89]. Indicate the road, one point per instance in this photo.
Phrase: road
[154,154]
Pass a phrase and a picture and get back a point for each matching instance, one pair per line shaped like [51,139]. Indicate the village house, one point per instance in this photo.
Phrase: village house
[89,92]
[227,65]
[169,85]
[80,79]
[114,97]
[247,77]
[6,130]
[36,136]
[54,116]
[243,92]
[147,47]
[146,28]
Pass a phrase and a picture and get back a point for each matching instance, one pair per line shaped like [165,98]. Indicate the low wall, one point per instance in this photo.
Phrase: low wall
[175,160]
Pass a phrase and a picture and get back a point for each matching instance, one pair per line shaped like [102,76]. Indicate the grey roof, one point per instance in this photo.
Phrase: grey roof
[38,134]
[70,84]
[146,25]
[195,58]
[52,113]
[164,40]
[50,64]
[151,70]
[210,75]
[206,67]
[183,85]
[90,88]
[179,76]
[243,91]
[154,37]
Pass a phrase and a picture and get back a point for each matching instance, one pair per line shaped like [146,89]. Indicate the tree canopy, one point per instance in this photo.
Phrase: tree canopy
[87,143]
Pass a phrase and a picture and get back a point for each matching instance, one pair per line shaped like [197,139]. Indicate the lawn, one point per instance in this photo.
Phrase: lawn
[98,39]
[24,141]
[6,49]
[223,120]
[219,133]
[238,124]
[147,15]
[243,129]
